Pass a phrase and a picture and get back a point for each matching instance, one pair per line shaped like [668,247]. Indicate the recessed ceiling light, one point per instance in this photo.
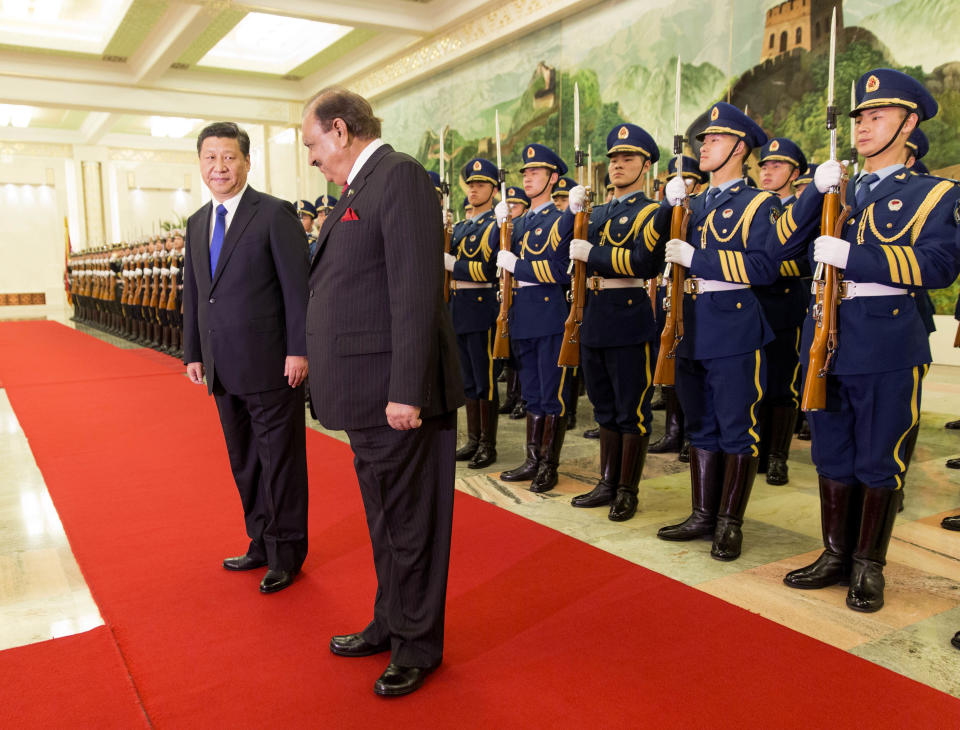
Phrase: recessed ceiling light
[12,115]
[175,127]
[272,43]
[85,26]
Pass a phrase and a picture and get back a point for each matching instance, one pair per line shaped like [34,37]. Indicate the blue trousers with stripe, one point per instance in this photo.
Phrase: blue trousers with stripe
[860,438]
[618,385]
[783,368]
[479,368]
[544,385]
[719,398]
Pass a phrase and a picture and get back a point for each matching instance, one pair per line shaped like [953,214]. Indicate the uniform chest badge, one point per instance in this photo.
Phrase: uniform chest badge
[895,204]
[538,232]
[623,220]
[727,213]
[473,238]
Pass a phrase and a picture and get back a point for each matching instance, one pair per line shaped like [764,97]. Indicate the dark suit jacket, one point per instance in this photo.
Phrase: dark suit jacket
[377,327]
[244,321]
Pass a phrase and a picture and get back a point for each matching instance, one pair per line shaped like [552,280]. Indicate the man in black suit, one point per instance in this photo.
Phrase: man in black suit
[244,314]
[385,368]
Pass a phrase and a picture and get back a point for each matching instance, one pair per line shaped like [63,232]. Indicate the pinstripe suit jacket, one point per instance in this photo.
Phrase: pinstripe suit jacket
[377,327]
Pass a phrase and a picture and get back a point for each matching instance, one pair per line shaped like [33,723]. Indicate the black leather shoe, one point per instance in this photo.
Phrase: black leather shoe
[956,640]
[592,433]
[951,523]
[953,463]
[277,580]
[952,425]
[355,645]
[243,562]
[398,680]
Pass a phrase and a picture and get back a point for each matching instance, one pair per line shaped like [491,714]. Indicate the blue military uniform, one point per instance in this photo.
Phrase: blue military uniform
[902,231]
[619,329]
[721,366]
[541,241]
[473,308]
[918,145]
[305,207]
[513,402]
[784,304]
[563,188]
[674,438]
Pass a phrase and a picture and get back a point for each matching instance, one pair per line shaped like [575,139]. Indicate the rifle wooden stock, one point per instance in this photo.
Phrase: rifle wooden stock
[447,234]
[824,345]
[501,342]
[570,347]
[665,373]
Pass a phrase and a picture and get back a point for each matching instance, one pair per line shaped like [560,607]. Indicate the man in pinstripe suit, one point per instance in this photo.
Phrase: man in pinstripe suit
[384,359]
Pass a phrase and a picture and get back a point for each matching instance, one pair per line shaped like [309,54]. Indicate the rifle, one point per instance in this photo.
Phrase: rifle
[501,342]
[570,347]
[827,278]
[665,372]
[657,196]
[447,218]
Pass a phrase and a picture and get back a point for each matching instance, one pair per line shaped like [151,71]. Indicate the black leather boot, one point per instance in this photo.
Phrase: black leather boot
[951,523]
[657,403]
[513,390]
[606,489]
[803,428]
[519,410]
[706,481]
[554,428]
[528,469]
[466,452]
[486,453]
[684,454]
[672,438]
[634,454]
[592,433]
[840,506]
[739,472]
[782,421]
[876,527]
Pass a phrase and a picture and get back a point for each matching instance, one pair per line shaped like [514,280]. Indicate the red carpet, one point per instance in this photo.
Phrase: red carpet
[133,457]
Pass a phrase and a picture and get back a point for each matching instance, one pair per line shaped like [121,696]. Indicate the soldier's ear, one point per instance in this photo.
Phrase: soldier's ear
[910,124]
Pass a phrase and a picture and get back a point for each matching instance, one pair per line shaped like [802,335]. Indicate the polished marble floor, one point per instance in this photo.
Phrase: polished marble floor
[42,592]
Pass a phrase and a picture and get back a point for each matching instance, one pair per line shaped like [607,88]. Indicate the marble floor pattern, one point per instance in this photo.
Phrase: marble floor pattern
[42,593]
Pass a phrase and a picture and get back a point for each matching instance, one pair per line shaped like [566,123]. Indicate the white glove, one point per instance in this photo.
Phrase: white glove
[831,250]
[577,199]
[580,249]
[676,190]
[448,261]
[679,252]
[827,175]
[506,259]
[502,210]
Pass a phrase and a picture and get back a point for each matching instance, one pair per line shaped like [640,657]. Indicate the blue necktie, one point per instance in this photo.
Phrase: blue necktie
[216,243]
[863,187]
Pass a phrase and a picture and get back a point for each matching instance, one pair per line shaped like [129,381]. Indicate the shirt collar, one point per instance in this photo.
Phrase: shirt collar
[231,203]
[543,207]
[882,174]
[362,158]
[728,184]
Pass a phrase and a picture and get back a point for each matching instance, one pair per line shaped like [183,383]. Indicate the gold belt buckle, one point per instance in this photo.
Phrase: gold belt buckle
[595,283]
[842,289]
[691,286]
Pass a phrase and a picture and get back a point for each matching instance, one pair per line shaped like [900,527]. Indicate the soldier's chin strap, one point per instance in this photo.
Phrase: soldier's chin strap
[544,188]
[642,171]
[894,137]
[733,149]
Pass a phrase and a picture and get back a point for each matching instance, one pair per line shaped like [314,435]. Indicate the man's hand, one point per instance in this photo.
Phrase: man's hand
[832,251]
[679,252]
[577,199]
[402,417]
[195,372]
[828,175]
[501,211]
[676,190]
[448,261]
[580,249]
[295,369]
[506,260]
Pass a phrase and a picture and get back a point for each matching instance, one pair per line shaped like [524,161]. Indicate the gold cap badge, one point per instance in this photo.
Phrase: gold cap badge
[623,133]
[714,113]
[530,152]
[873,83]
[774,146]
[476,165]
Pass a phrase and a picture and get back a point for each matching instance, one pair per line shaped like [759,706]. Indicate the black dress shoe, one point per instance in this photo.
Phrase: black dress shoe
[951,523]
[355,645]
[592,433]
[244,562]
[952,425]
[277,580]
[953,463]
[956,640]
[397,680]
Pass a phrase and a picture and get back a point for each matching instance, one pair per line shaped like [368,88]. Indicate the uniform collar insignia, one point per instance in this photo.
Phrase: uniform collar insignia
[735,189]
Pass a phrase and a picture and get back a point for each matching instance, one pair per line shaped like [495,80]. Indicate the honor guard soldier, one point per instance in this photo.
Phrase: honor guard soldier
[561,193]
[513,403]
[917,147]
[625,247]
[307,212]
[324,204]
[784,304]
[901,235]
[538,262]
[674,435]
[803,179]
[435,176]
[720,368]
[608,189]
[474,308]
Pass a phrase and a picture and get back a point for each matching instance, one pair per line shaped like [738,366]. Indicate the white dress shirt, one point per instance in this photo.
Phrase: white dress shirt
[362,158]
[231,205]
